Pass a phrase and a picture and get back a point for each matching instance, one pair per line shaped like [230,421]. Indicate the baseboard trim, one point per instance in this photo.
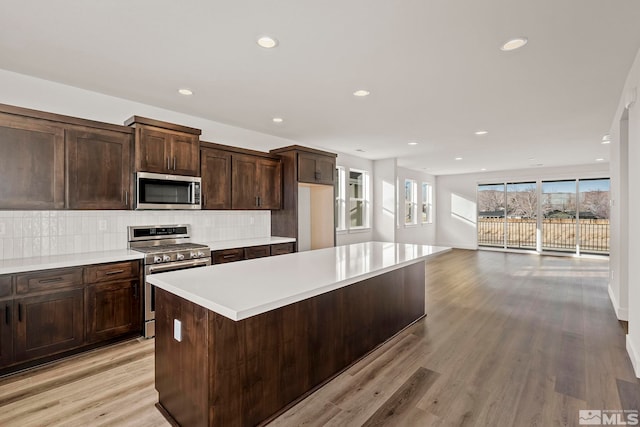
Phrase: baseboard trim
[621,313]
[634,356]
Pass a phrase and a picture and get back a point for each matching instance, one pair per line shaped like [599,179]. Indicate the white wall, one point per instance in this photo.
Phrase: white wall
[421,234]
[628,185]
[41,233]
[29,92]
[385,200]
[356,236]
[456,198]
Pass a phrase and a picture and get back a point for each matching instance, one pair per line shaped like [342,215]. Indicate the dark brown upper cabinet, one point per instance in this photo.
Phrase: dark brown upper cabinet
[51,161]
[163,147]
[316,168]
[31,164]
[255,182]
[99,174]
[215,167]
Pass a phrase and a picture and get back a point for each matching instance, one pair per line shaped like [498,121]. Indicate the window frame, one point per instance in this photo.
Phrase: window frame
[427,203]
[365,199]
[412,202]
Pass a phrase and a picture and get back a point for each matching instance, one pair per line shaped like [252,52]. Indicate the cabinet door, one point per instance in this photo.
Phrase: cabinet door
[215,167]
[257,252]
[185,154]
[269,183]
[282,248]
[228,255]
[98,169]
[152,150]
[32,164]
[244,182]
[48,324]
[316,168]
[113,309]
[6,332]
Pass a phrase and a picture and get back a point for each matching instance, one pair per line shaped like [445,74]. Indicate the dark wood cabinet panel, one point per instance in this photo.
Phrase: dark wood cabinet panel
[257,252]
[32,163]
[6,332]
[162,147]
[49,280]
[185,154]
[244,191]
[256,182]
[215,168]
[152,150]
[6,288]
[98,169]
[48,324]
[112,271]
[228,255]
[269,183]
[113,309]
[283,248]
[316,168]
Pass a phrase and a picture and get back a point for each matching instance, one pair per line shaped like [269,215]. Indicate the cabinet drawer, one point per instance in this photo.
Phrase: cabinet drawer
[5,286]
[47,280]
[112,271]
[282,248]
[228,255]
[257,252]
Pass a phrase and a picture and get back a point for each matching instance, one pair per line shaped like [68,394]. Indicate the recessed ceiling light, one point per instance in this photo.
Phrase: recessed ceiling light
[185,92]
[361,93]
[514,44]
[360,150]
[600,159]
[277,120]
[606,139]
[267,42]
[539,164]
[531,159]
[481,132]
[412,143]
[458,158]
[483,169]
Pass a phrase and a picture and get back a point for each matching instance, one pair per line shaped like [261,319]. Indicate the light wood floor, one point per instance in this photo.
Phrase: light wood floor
[510,339]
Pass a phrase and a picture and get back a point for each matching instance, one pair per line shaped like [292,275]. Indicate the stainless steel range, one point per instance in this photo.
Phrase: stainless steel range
[167,248]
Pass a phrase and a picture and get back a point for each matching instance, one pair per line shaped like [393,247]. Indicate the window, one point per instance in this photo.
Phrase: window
[358,199]
[427,203]
[341,202]
[410,202]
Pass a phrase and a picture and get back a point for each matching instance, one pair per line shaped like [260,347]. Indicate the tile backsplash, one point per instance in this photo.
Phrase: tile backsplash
[25,234]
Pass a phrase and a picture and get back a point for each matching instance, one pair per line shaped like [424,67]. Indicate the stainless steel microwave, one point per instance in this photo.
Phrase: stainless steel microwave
[160,191]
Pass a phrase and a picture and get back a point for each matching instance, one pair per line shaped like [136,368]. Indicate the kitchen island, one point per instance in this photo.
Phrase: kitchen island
[236,344]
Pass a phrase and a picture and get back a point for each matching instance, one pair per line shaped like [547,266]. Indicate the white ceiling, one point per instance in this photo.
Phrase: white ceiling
[433,67]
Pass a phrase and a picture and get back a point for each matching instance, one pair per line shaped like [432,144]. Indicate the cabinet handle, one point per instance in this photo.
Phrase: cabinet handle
[19,312]
[7,314]
[204,200]
[229,256]
[135,290]
[54,280]
[108,273]
[174,162]
[257,201]
[168,164]
[126,198]
[317,175]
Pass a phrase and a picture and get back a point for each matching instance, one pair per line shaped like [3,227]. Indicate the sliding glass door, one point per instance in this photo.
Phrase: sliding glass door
[560,216]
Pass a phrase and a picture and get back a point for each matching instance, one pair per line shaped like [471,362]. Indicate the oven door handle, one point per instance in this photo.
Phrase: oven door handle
[177,265]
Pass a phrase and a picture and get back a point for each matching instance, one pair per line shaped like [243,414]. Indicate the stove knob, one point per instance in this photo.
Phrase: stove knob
[200,254]
[166,258]
[193,255]
[180,257]
[157,259]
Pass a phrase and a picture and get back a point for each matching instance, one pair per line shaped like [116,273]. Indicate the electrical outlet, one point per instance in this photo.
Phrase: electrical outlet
[3,228]
[177,330]
[102,224]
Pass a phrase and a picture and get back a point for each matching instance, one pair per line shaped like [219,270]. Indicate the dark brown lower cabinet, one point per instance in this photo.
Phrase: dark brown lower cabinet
[244,373]
[6,332]
[283,248]
[257,252]
[113,309]
[48,324]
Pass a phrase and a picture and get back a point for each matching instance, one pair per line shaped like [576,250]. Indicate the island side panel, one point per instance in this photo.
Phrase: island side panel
[261,365]
[180,367]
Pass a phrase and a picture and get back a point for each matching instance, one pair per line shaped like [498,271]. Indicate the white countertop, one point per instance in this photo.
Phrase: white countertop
[19,265]
[244,289]
[245,243]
